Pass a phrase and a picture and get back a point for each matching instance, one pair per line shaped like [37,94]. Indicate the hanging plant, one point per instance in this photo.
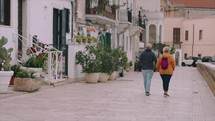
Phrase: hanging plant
[106,2]
[114,6]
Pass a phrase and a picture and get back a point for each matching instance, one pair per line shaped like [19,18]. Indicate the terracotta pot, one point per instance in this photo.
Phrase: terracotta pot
[12,80]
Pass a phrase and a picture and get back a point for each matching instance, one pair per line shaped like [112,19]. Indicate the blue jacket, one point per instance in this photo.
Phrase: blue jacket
[147,60]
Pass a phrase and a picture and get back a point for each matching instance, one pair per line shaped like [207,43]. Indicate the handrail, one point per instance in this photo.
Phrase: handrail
[54,59]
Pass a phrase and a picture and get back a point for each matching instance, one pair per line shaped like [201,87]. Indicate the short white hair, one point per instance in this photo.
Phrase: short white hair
[166,49]
[148,45]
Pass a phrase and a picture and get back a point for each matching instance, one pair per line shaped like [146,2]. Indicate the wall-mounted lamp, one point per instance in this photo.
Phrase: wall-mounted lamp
[142,20]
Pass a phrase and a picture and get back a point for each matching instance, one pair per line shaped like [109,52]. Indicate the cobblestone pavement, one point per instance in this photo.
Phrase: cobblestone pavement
[119,100]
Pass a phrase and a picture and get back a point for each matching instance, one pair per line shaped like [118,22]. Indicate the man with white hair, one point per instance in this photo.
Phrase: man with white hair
[147,62]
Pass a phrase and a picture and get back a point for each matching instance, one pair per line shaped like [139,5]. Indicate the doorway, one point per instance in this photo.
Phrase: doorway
[60,28]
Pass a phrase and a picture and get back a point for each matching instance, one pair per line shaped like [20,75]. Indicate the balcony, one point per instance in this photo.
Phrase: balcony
[102,14]
[125,20]
[125,16]
[135,28]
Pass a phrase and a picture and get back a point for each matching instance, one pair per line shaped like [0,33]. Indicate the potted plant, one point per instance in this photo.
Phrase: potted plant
[90,39]
[26,81]
[35,63]
[127,67]
[106,63]
[78,38]
[84,39]
[5,59]
[89,62]
[116,62]
[15,68]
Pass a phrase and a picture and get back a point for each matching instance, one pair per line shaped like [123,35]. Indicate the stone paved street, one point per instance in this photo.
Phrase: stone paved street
[119,100]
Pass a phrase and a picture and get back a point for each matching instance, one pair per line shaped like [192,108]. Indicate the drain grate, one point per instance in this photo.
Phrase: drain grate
[125,80]
[195,92]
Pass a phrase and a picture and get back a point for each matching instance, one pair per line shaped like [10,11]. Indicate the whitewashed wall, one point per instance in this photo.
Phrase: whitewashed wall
[148,5]
[40,18]
[74,70]
[8,31]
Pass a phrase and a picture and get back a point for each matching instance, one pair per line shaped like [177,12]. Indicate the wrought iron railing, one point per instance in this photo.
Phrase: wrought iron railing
[103,10]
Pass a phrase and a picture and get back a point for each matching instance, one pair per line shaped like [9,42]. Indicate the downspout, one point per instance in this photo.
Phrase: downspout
[193,40]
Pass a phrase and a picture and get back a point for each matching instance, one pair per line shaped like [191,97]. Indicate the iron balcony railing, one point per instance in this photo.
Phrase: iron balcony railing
[102,10]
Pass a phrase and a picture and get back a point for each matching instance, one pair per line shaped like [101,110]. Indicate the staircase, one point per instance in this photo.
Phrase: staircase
[53,71]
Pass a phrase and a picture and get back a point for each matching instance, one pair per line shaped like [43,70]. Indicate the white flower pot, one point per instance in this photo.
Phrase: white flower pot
[103,77]
[92,77]
[5,77]
[113,76]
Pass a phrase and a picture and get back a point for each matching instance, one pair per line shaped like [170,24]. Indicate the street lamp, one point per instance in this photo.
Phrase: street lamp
[142,20]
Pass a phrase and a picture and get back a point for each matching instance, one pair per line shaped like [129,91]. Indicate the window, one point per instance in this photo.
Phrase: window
[185,55]
[186,35]
[200,34]
[4,12]
[200,56]
[176,35]
[67,20]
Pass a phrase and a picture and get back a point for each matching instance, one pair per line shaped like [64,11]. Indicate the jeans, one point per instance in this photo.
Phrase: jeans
[147,77]
[166,79]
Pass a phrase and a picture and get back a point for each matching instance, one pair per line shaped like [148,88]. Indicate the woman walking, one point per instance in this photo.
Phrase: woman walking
[147,62]
[165,66]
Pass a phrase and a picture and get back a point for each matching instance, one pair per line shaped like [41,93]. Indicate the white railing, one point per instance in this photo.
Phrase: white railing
[55,66]
[54,56]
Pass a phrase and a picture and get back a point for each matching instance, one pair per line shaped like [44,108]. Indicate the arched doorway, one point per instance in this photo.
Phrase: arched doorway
[178,57]
[152,34]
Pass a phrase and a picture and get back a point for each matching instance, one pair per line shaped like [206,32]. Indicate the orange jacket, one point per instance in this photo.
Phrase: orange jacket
[171,64]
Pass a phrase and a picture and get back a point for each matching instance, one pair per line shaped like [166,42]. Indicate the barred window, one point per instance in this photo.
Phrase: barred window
[186,35]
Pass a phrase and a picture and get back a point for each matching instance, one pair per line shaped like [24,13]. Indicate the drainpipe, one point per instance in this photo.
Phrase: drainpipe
[193,40]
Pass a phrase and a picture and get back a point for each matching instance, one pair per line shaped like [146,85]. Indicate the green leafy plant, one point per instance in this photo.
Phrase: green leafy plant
[106,2]
[15,68]
[35,62]
[160,46]
[5,55]
[94,39]
[84,39]
[25,74]
[114,6]
[91,39]
[88,59]
[78,38]
[106,59]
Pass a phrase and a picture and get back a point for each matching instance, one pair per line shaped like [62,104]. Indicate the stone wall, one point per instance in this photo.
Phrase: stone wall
[207,71]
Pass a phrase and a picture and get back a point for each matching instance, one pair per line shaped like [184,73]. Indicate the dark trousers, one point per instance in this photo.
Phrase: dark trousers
[166,79]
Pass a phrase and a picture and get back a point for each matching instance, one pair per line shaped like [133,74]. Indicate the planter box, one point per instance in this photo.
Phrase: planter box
[27,84]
